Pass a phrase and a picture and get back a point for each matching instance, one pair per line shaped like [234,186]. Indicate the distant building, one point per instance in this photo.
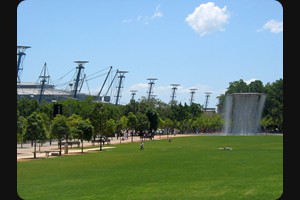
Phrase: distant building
[49,93]
[209,111]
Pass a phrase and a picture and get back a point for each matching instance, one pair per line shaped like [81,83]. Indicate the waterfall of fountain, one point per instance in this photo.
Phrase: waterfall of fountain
[243,113]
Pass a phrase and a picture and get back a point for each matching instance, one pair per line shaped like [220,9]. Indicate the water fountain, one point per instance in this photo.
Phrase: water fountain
[243,112]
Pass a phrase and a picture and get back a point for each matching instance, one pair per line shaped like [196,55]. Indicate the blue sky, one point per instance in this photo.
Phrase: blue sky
[202,45]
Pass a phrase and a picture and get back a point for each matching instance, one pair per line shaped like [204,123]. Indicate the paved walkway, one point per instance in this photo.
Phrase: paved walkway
[26,151]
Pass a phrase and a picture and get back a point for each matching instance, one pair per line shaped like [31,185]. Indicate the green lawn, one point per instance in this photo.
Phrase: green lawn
[186,168]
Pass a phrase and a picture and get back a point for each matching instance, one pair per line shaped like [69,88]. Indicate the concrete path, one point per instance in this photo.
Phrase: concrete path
[26,150]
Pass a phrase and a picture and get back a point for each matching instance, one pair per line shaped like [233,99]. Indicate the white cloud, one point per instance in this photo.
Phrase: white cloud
[157,13]
[126,21]
[250,81]
[145,19]
[208,18]
[273,25]
[139,86]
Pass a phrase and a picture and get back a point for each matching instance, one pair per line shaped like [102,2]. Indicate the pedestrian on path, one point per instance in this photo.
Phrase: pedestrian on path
[141,146]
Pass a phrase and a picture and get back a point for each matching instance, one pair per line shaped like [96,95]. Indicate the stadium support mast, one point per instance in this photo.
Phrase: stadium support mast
[44,79]
[98,96]
[79,79]
[174,88]
[151,83]
[206,100]
[120,85]
[192,95]
[20,54]
[111,83]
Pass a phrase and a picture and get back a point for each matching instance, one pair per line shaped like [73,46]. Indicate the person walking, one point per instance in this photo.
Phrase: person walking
[141,146]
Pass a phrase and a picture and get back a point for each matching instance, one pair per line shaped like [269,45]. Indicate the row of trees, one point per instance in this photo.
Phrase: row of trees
[88,119]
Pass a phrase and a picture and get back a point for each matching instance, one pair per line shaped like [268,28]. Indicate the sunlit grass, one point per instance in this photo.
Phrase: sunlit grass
[186,168]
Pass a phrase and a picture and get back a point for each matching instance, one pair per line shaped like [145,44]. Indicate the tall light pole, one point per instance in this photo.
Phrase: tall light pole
[206,101]
[151,83]
[174,88]
[120,85]
[20,54]
[133,93]
[192,95]
[79,78]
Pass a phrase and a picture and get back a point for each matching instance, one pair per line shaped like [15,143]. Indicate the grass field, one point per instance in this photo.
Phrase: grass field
[187,168]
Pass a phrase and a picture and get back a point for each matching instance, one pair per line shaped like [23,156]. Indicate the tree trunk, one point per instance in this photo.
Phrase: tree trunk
[100,142]
[34,152]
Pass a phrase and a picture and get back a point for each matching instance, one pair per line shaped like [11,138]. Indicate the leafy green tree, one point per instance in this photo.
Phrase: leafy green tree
[165,115]
[143,123]
[211,123]
[111,127]
[86,107]
[221,104]
[47,123]
[121,126]
[73,122]
[217,122]
[256,86]
[84,131]
[47,109]
[273,110]
[195,110]
[115,111]
[163,109]
[99,118]
[132,123]
[153,119]
[36,130]
[168,125]
[70,106]
[21,128]
[132,107]
[60,128]
[237,87]
[180,115]
[27,106]
[145,105]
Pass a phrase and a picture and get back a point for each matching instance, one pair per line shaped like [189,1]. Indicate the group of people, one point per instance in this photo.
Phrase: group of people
[225,148]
